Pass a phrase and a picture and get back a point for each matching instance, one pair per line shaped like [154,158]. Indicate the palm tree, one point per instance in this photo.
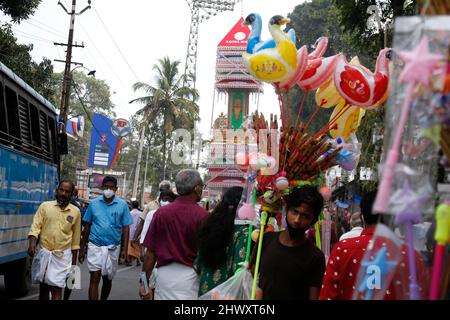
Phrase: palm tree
[170,103]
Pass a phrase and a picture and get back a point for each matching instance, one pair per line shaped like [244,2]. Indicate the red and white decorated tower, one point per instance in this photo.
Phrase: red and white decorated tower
[233,81]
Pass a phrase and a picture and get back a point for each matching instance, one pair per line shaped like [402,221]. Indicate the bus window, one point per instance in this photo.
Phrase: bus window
[44,133]
[35,131]
[13,115]
[3,123]
[24,117]
[53,142]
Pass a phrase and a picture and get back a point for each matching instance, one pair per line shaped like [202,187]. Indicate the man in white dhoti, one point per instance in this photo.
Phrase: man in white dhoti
[107,223]
[171,242]
[57,225]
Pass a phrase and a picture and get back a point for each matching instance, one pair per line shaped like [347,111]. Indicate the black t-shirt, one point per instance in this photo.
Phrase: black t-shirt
[286,273]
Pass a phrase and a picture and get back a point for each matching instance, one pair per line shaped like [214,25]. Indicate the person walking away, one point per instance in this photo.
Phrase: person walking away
[292,267]
[134,249]
[57,225]
[166,197]
[171,242]
[345,261]
[107,222]
[357,227]
[164,185]
[222,244]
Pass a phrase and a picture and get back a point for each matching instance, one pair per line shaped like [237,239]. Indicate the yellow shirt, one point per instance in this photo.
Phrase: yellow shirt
[57,229]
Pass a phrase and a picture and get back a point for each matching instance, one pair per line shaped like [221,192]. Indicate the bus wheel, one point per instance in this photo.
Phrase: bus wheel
[18,278]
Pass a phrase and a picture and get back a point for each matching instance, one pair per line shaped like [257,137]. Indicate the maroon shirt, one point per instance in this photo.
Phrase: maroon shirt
[173,232]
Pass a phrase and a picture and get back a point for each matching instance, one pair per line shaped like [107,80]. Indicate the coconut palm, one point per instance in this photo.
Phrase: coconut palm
[170,102]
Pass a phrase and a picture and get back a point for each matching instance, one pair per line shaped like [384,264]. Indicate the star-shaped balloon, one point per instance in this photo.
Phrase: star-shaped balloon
[384,266]
[419,64]
[408,204]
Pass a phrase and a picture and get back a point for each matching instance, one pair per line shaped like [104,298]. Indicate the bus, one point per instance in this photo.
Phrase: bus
[29,173]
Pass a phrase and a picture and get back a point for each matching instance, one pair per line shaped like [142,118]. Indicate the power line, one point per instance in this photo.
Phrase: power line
[101,55]
[44,29]
[75,86]
[30,36]
[117,47]
[46,26]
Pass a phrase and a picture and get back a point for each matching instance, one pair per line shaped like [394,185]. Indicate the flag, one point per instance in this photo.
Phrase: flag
[75,127]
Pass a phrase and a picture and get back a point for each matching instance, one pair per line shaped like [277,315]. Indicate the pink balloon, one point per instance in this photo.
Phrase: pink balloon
[318,72]
[320,47]
[302,58]
[361,87]
[247,212]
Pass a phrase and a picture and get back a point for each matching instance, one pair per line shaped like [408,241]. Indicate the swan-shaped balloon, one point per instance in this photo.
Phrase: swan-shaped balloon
[361,87]
[274,64]
[254,43]
[318,72]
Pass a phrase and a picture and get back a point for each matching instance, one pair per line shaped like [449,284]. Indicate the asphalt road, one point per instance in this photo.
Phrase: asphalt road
[124,287]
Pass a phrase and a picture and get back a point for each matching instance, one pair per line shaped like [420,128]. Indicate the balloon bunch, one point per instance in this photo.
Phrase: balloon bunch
[349,86]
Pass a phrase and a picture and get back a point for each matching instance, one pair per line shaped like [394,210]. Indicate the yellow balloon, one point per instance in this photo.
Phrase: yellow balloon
[327,96]
[348,122]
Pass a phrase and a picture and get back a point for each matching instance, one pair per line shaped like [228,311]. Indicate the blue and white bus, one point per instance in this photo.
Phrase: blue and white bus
[29,172]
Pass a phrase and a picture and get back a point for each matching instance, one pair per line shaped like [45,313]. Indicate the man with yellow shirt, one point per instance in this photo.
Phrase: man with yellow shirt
[57,225]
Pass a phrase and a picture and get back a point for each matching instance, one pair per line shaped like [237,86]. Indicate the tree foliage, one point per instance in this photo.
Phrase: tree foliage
[88,95]
[17,57]
[168,105]
[19,10]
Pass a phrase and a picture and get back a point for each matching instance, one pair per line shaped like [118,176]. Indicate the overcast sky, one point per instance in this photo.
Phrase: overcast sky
[144,31]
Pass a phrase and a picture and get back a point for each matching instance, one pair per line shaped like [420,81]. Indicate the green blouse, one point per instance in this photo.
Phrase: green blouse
[235,253]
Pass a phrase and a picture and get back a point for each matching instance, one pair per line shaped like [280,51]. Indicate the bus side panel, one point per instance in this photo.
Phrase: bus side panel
[25,183]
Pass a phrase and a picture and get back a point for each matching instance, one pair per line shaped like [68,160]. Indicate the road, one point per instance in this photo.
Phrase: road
[124,286]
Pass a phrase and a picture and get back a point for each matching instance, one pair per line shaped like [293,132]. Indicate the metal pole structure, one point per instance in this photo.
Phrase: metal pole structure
[65,96]
[138,165]
[145,177]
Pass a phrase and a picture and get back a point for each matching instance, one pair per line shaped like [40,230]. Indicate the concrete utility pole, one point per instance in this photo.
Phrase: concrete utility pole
[145,178]
[138,165]
[67,81]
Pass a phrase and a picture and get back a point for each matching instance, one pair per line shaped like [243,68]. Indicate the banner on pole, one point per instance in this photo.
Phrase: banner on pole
[105,144]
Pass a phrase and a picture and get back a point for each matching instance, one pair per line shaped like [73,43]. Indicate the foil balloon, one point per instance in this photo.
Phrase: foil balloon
[254,42]
[320,47]
[327,96]
[302,63]
[348,121]
[274,64]
[318,72]
[361,87]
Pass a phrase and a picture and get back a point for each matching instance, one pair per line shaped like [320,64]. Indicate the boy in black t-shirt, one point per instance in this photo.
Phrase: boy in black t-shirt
[292,267]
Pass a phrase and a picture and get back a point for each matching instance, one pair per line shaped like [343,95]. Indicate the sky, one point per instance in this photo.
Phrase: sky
[143,31]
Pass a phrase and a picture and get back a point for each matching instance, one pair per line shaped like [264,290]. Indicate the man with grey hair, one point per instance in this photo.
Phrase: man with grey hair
[164,185]
[171,242]
[357,226]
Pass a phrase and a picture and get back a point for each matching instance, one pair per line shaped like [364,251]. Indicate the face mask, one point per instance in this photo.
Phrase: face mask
[164,203]
[108,193]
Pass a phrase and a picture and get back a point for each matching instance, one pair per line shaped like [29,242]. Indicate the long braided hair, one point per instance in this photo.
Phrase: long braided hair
[217,230]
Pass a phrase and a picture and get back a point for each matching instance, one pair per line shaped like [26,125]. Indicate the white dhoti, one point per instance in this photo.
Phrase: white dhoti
[104,259]
[176,282]
[51,267]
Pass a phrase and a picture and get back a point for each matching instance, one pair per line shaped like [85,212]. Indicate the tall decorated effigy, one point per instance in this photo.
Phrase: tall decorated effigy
[237,86]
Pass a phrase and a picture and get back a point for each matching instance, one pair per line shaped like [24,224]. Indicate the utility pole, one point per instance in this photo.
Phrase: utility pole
[138,165]
[67,81]
[145,177]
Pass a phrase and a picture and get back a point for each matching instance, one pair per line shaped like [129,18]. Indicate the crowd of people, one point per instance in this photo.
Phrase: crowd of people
[186,250]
